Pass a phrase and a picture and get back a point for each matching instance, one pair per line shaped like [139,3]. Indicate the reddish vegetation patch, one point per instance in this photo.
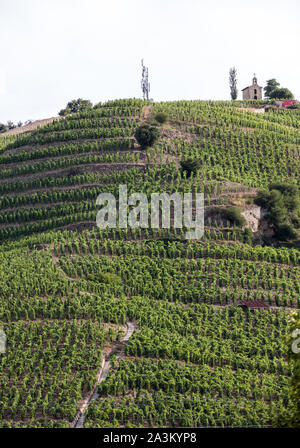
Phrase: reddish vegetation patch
[80,226]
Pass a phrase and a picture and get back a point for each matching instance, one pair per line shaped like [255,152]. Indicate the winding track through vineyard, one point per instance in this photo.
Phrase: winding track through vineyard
[118,350]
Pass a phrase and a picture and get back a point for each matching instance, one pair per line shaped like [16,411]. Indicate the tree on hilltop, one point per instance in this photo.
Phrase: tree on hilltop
[272,90]
[75,106]
[282,94]
[11,125]
[233,83]
[272,84]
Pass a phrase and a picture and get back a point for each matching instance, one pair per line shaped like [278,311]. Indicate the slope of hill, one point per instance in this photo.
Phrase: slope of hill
[68,289]
[32,126]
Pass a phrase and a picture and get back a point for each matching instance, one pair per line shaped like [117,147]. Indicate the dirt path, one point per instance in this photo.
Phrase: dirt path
[118,349]
[146,112]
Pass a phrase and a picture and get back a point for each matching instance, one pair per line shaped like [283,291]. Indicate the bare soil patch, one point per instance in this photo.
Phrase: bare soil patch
[146,112]
[29,127]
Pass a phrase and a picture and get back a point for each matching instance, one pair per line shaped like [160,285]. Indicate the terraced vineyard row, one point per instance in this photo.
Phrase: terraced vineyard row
[48,367]
[208,351]
[227,152]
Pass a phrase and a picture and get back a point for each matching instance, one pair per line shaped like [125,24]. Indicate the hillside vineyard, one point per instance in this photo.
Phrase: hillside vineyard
[70,292]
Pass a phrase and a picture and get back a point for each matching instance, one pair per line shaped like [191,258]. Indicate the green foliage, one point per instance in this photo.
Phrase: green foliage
[290,195]
[146,135]
[74,106]
[273,91]
[179,351]
[294,327]
[282,204]
[233,215]
[247,236]
[183,347]
[294,106]
[189,166]
[291,417]
[161,117]
[79,143]
[58,288]
[272,84]
[281,93]
[74,171]
[285,232]
[3,127]
[107,278]
[65,358]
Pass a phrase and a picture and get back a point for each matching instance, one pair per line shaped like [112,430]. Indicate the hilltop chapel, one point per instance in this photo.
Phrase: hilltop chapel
[253,92]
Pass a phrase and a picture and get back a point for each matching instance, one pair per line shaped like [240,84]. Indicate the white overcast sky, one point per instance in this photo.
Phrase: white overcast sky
[55,50]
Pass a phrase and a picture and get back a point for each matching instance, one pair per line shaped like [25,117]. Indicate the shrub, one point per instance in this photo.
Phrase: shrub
[74,171]
[247,236]
[280,195]
[294,106]
[286,189]
[262,198]
[146,135]
[161,117]
[64,112]
[282,203]
[276,215]
[190,166]
[285,232]
[3,127]
[233,215]
[290,194]
[276,199]
[107,278]
[295,220]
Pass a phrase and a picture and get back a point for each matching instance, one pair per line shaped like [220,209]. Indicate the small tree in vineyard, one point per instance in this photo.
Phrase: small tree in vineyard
[190,166]
[146,135]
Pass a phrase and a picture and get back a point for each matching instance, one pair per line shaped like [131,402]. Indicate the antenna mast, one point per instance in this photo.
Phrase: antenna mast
[145,83]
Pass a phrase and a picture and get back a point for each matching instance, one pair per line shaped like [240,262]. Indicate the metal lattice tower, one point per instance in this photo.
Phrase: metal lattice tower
[145,84]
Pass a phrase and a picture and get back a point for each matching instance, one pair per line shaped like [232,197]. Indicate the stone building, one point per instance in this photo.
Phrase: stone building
[253,92]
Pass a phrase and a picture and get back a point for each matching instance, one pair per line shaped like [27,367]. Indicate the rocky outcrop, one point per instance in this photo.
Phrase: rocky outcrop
[253,215]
